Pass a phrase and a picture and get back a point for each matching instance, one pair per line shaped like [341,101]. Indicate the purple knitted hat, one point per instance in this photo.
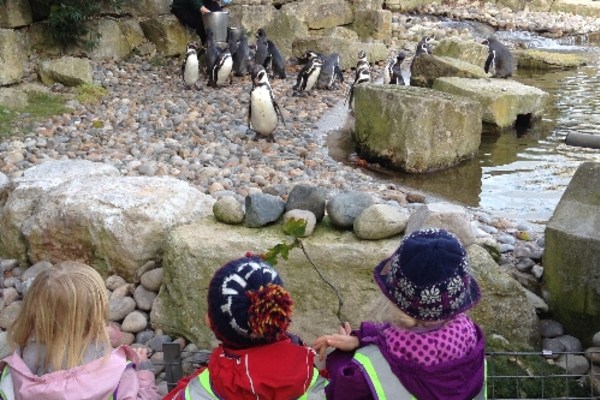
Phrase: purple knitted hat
[428,277]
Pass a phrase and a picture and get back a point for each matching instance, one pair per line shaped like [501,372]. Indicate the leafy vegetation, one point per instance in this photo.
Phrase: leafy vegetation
[69,20]
[40,105]
[296,229]
[89,93]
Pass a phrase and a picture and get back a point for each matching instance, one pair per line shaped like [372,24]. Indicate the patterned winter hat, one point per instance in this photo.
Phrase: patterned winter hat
[428,276]
[247,304]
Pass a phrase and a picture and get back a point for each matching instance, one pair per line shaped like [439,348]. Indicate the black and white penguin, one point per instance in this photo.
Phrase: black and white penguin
[499,58]
[331,73]
[241,58]
[393,71]
[261,50]
[308,75]
[263,112]
[221,70]
[363,61]
[211,50]
[424,46]
[364,76]
[190,70]
[276,60]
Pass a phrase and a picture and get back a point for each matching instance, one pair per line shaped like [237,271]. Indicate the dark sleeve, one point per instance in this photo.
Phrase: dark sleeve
[196,4]
[368,332]
[346,379]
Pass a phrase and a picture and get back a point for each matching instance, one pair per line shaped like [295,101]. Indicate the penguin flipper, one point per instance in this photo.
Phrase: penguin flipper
[338,73]
[489,61]
[278,111]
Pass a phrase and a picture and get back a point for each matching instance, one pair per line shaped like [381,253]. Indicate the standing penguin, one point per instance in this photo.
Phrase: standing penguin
[262,50]
[331,73]
[423,47]
[241,58]
[499,58]
[363,62]
[263,113]
[221,70]
[364,76]
[393,71]
[212,51]
[308,75]
[190,70]
[276,60]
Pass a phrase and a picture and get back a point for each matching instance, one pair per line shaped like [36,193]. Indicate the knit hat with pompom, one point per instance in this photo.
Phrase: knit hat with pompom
[247,304]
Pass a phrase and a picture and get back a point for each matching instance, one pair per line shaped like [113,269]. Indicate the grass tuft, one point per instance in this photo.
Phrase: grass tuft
[89,93]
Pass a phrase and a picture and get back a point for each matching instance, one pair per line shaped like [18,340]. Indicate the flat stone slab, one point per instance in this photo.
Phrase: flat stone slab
[548,60]
[502,99]
[426,68]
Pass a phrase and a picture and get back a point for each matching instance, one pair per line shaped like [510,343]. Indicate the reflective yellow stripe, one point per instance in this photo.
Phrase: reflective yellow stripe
[312,383]
[372,374]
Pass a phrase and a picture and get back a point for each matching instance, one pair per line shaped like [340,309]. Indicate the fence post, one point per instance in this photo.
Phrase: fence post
[173,366]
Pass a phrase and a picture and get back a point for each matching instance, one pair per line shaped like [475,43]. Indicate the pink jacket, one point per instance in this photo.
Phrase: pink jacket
[95,380]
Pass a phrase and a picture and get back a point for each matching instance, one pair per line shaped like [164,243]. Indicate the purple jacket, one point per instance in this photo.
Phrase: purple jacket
[453,380]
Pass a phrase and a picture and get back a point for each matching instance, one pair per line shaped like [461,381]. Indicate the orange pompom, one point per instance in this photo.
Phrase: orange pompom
[270,312]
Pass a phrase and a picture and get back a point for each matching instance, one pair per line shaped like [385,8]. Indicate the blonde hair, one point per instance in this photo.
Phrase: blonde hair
[65,310]
[383,310]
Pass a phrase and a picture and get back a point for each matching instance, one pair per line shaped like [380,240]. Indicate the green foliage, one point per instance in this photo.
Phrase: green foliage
[89,93]
[69,20]
[292,227]
[41,105]
[530,376]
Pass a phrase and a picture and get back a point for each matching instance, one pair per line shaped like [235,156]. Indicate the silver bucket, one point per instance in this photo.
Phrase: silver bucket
[216,21]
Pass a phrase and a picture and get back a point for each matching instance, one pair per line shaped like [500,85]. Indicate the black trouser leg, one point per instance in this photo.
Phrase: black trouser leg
[193,19]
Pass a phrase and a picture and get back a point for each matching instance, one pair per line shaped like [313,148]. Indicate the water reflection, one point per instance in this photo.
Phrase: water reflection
[521,174]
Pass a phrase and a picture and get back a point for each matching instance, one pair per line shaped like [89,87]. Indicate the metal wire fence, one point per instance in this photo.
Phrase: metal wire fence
[510,375]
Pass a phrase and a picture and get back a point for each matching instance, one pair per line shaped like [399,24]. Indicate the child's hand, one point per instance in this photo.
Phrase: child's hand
[142,353]
[341,341]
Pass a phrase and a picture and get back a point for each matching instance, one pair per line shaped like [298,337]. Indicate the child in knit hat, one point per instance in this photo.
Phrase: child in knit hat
[428,348]
[249,311]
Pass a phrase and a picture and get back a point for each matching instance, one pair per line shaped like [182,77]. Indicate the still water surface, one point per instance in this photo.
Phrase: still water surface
[521,175]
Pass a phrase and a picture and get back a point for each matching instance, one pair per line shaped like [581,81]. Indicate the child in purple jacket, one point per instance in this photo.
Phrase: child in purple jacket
[428,349]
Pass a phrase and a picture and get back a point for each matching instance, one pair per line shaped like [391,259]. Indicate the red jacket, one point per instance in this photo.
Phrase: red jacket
[277,371]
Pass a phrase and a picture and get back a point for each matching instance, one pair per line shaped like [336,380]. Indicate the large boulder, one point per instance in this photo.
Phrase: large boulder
[112,42]
[92,214]
[283,29]
[13,55]
[415,129]
[468,51]
[195,251]
[132,32]
[320,14]
[347,48]
[373,24]
[15,13]
[69,71]
[504,309]
[167,33]
[426,68]
[548,60]
[572,255]
[146,8]
[407,5]
[251,18]
[503,100]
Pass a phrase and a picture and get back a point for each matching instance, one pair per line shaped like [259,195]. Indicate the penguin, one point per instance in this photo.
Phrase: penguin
[362,62]
[221,70]
[263,112]
[233,39]
[211,50]
[364,76]
[241,58]
[393,71]
[331,73]
[424,46]
[499,58]
[262,51]
[190,70]
[308,75]
[276,60]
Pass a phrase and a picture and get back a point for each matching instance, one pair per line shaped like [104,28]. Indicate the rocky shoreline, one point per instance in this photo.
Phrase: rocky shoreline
[150,125]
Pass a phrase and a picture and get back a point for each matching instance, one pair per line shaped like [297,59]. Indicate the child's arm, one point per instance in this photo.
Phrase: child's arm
[343,340]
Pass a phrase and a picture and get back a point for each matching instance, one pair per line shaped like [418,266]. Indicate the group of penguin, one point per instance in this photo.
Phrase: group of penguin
[320,71]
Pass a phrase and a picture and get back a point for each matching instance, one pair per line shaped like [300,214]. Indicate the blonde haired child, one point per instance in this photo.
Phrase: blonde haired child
[62,347]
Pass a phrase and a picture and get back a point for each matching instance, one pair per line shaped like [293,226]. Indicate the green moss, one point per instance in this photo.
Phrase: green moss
[89,93]
[43,105]
[6,117]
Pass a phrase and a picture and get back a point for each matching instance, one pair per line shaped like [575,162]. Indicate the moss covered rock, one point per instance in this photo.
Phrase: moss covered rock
[69,71]
[468,51]
[548,60]
[13,54]
[426,68]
